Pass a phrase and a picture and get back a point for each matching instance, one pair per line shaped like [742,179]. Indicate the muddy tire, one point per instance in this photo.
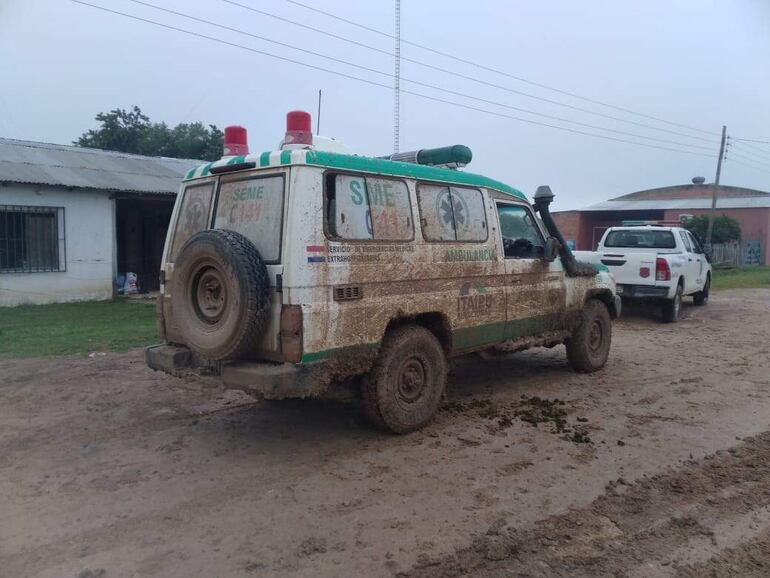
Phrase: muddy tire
[404,388]
[589,345]
[220,294]
[672,308]
[702,297]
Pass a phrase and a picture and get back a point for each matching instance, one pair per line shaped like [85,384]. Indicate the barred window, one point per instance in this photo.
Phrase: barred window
[31,239]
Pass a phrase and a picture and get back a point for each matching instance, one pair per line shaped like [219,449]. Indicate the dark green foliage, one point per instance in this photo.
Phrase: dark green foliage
[725,228]
[132,132]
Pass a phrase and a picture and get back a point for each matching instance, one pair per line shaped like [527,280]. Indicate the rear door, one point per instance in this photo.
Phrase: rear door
[691,265]
[700,257]
[252,204]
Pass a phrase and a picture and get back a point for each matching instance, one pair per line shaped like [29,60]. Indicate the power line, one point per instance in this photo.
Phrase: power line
[381,85]
[749,166]
[752,156]
[412,81]
[756,164]
[754,149]
[750,139]
[496,71]
[460,75]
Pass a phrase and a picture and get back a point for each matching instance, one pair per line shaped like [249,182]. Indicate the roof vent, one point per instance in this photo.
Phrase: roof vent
[698,180]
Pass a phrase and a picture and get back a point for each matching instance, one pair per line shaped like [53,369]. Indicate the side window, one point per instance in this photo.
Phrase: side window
[193,214]
[521,237]
[253,207]
[362,208]
[696,246]
[686,241]
[452,213]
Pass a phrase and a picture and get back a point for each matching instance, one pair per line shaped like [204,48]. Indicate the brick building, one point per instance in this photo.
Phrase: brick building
[584,228]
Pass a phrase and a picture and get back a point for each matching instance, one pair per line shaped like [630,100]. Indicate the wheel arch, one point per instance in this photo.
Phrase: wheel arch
[434,321]
[605,296]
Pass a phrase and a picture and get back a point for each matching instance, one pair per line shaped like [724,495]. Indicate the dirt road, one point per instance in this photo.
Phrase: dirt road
[658,465]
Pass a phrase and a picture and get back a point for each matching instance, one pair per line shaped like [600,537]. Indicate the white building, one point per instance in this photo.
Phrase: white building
[72,219]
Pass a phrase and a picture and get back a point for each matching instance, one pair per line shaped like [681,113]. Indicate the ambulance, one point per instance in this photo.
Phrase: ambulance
[307,270]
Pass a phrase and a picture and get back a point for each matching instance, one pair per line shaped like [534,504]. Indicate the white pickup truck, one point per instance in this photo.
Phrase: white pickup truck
[656,263]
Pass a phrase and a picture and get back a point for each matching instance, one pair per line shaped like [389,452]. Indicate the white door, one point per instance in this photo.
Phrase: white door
[691,267]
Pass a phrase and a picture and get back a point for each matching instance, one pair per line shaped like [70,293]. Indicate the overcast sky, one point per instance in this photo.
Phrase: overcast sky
[699,63]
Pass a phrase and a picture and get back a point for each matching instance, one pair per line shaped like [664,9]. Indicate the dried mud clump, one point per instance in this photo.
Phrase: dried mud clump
[532,410]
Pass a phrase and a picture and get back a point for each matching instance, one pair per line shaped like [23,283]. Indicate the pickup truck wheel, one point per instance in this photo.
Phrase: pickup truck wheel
[702,297]
[403,390]
[589,345]
[220,294]
[673,307]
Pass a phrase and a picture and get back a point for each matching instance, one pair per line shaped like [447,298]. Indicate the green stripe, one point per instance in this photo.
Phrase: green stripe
[236,160]
[410,170]
[326,354]
[471,337]
[385,167]
[190,173]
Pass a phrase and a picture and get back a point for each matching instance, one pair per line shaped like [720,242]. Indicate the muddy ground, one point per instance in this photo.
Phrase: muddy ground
[657,466]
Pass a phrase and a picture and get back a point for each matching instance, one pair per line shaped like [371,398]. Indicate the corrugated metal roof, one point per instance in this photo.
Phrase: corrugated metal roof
[702,203]
[84,168]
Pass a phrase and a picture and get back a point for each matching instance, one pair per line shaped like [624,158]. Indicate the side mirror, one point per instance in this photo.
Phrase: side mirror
[551,249]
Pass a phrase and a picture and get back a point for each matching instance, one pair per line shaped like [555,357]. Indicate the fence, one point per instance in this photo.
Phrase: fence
[733,254]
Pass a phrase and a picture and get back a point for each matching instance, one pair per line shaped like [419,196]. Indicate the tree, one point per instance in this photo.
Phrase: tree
[132,132]
[725,228]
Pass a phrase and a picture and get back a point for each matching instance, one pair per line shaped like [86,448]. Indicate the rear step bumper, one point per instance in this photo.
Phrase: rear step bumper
[269,380]
[642,291]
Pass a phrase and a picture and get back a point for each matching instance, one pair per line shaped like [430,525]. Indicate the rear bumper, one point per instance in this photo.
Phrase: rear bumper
[265,379]
[642,291]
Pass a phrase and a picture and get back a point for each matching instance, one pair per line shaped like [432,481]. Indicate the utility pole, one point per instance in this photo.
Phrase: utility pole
[397,80]
[714,194]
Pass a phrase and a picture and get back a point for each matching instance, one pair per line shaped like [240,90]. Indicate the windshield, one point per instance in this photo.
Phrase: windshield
[641,238]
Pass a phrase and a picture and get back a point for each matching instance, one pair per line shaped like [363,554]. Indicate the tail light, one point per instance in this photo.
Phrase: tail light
[662,270]
[291,333]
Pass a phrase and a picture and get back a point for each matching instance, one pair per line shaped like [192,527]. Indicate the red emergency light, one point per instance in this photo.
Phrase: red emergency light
[298,128]
[236,141]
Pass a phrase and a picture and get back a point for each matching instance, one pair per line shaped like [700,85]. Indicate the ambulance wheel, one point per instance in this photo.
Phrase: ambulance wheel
[220,294]
[589,345]
[404,388]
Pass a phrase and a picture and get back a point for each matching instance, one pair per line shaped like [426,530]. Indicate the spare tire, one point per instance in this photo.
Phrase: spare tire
[220,294]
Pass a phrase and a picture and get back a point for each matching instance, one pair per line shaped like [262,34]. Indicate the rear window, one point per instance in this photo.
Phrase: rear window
[193,214]
[253,207]
[641,238]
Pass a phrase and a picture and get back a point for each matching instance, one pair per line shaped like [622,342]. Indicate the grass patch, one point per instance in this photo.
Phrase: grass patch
[742,278]
[75,328]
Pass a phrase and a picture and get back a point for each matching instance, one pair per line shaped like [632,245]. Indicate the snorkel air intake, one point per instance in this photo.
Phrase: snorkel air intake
[574,268]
